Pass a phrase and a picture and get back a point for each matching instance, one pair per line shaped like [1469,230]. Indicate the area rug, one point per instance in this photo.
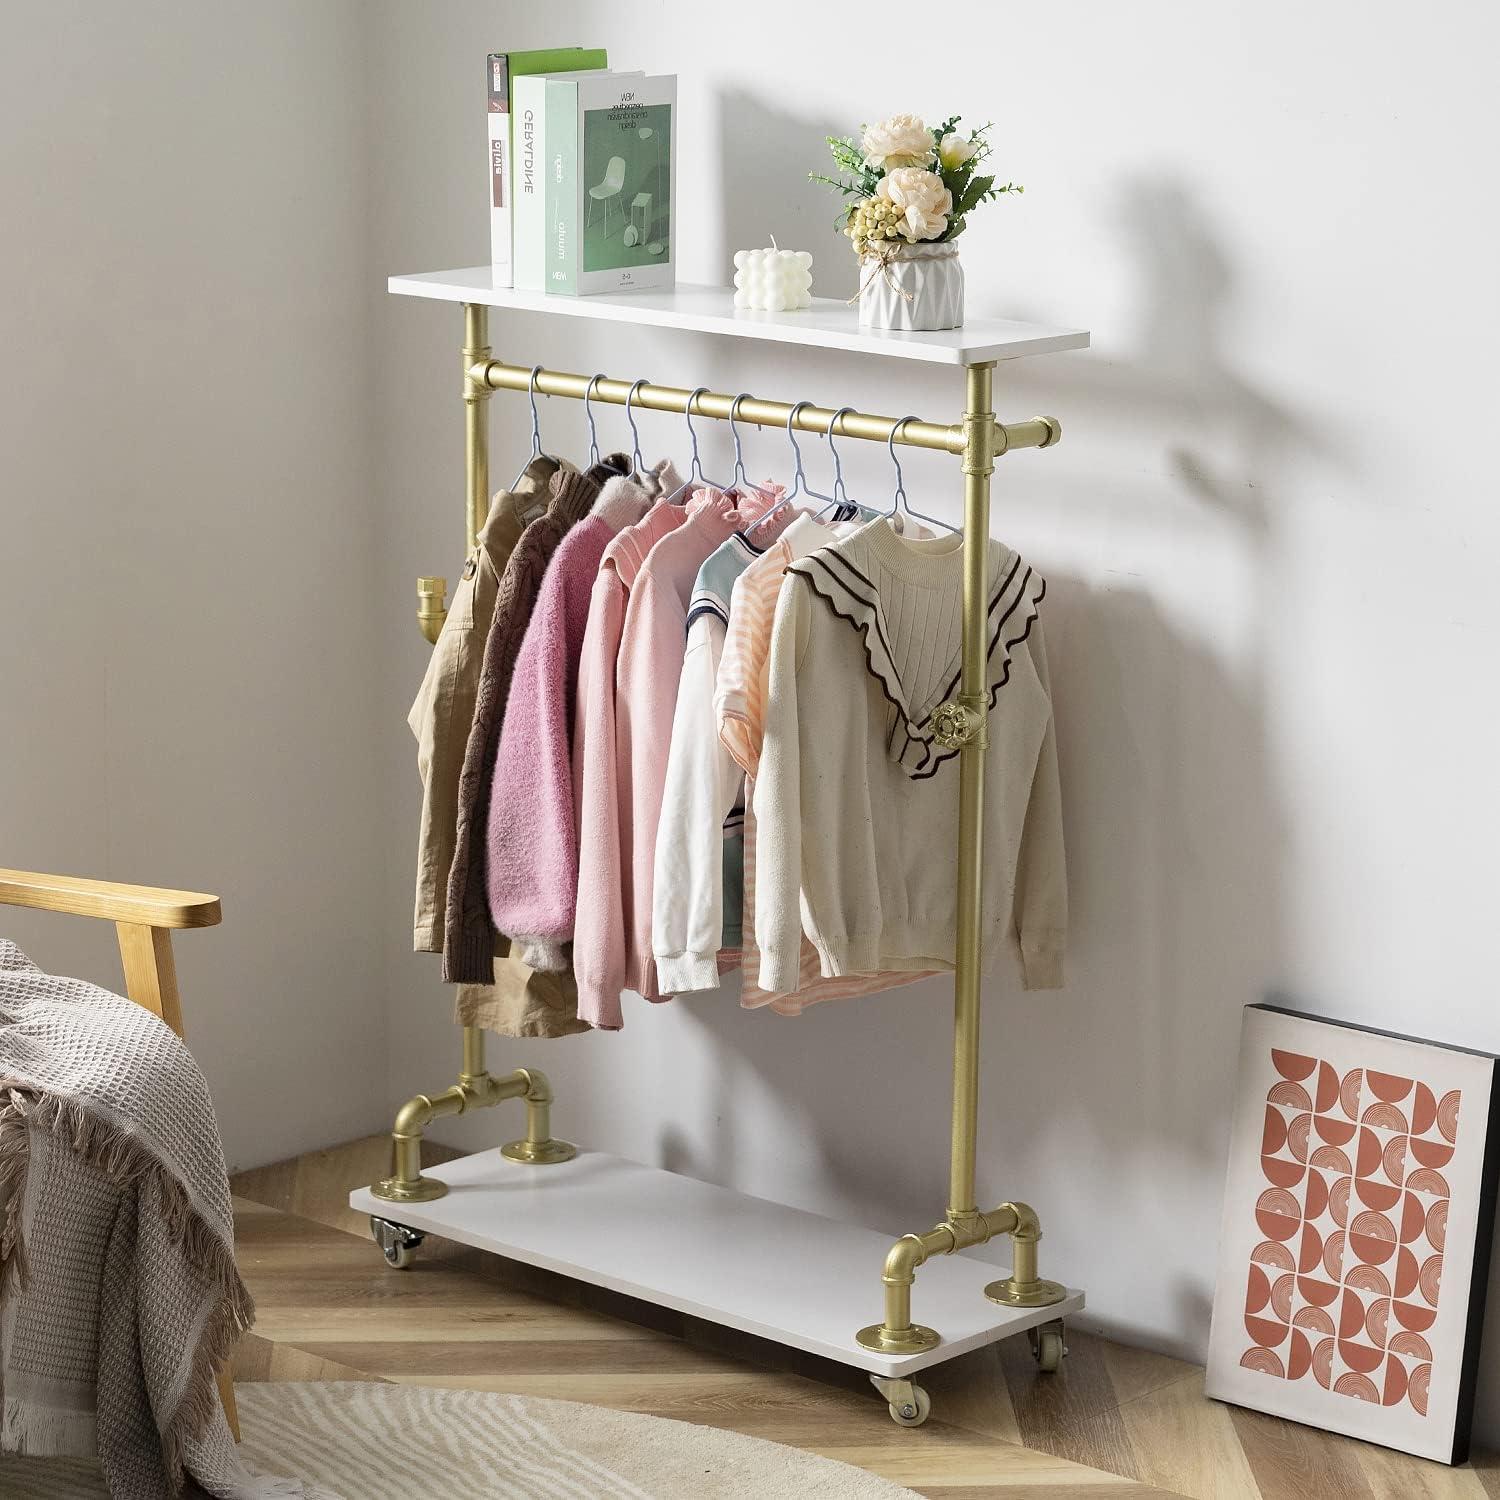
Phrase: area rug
[368,1440]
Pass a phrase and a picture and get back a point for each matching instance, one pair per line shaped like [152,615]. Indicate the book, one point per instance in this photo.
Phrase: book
[502,69]
[611,175]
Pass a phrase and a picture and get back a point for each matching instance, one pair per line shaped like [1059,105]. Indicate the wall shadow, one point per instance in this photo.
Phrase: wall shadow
[765,154]
[1105,1104]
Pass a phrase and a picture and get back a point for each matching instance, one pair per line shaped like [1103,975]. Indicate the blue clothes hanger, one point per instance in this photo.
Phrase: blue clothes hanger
[799,474]
[899,502]
[739,476]
[536,429]
[637,463]
[840,496]
[740,480]
[588,411]
[695,474]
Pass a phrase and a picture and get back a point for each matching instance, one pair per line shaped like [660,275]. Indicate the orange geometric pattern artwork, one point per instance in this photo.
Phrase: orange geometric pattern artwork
[1352,1217]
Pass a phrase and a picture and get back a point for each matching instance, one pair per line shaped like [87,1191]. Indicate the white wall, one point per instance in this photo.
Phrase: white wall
[186,556]
[1269,535]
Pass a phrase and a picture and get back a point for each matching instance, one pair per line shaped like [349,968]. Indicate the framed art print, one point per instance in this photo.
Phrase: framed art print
[1356,1237]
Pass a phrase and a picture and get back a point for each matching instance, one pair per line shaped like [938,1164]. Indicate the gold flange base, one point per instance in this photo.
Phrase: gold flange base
[1013,1293]
[539,1153]
[915,1340]
[423,1190]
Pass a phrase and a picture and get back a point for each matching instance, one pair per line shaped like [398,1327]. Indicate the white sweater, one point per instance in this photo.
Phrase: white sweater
[703,785]
[857,805]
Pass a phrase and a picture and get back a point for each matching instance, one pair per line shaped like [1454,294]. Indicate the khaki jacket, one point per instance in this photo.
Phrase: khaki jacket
[520,1002]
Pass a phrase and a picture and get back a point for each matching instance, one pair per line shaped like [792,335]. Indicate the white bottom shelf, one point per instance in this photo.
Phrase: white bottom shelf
[797,1278]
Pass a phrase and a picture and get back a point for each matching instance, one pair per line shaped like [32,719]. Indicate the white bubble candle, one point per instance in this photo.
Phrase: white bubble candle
[772,280]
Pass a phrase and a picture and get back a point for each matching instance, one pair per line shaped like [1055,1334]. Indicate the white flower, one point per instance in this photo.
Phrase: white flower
[921,198]
[901,141]
[954,150]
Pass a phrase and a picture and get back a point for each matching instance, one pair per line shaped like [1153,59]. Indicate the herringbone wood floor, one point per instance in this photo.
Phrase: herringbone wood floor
[1116,1422]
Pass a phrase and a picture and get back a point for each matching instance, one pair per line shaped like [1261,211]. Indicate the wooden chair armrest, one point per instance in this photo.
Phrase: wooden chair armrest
[143,916]
[144,905]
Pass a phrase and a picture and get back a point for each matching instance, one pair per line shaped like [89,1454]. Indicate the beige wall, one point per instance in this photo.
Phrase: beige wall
[187,683]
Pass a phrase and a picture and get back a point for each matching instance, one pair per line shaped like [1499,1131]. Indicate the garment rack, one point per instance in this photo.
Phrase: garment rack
[593,1184]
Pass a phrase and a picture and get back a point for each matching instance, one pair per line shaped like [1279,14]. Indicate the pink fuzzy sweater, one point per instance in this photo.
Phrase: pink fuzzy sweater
[532,864]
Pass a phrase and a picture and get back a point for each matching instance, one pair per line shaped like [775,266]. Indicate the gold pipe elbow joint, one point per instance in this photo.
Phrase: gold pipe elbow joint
[538,1087]
[913,1250]
[902,1260]
[1027,1226]
[414,1116]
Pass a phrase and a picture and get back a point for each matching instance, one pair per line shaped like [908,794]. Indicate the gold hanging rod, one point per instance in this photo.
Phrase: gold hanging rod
[1038,432]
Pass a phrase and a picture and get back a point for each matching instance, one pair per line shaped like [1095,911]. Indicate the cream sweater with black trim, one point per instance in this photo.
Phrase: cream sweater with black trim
[857,804]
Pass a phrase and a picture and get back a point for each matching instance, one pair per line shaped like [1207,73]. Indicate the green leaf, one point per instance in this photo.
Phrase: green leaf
[838,183]
[973,195]
[957,180]
[846,155]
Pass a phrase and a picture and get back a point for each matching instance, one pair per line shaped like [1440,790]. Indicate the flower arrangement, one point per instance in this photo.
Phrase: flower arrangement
[905,183]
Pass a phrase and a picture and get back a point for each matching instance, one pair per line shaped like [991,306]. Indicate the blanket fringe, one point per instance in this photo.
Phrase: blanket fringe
[128,1164]
[14,1160]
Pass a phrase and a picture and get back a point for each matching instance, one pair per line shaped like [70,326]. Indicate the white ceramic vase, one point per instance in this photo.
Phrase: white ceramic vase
[920,288]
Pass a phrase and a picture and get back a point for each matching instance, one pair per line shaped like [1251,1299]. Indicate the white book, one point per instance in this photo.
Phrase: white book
[529,196]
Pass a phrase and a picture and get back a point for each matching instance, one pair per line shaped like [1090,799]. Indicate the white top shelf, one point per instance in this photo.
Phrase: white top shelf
[827,324]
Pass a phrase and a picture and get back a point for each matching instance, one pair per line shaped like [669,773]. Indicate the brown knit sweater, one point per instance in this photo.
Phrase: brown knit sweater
[468,934]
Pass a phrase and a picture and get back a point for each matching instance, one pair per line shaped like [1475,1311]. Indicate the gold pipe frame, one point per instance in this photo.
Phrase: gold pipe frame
[406,1184]
[959,724]
[1039,432]
[476,1088]
[962,724]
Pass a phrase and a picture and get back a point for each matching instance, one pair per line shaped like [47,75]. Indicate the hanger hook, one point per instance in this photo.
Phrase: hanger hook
[536,426]
[838,467]
[734,432]
[588,411]
[890,447]
[635,432]
[695,468]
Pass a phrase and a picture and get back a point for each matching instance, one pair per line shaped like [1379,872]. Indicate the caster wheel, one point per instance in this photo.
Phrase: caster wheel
[397,1243]
[914,1412]
[910,1405]
[1048,1348]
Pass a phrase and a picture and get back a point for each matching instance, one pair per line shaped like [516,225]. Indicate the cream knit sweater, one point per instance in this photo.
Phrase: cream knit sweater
[857,805]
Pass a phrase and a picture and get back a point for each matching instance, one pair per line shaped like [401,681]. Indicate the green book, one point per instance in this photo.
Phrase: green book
[516,190]
[610,172]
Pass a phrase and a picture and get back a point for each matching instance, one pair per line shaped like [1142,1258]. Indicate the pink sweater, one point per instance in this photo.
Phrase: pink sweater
[612,926]
[598,934]
[532,864]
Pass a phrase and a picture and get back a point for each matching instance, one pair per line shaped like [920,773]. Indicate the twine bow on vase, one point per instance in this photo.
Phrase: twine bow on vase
[878,255]
[910,287]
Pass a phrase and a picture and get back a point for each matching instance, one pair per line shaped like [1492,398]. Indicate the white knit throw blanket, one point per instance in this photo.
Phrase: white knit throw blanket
[119,1296]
